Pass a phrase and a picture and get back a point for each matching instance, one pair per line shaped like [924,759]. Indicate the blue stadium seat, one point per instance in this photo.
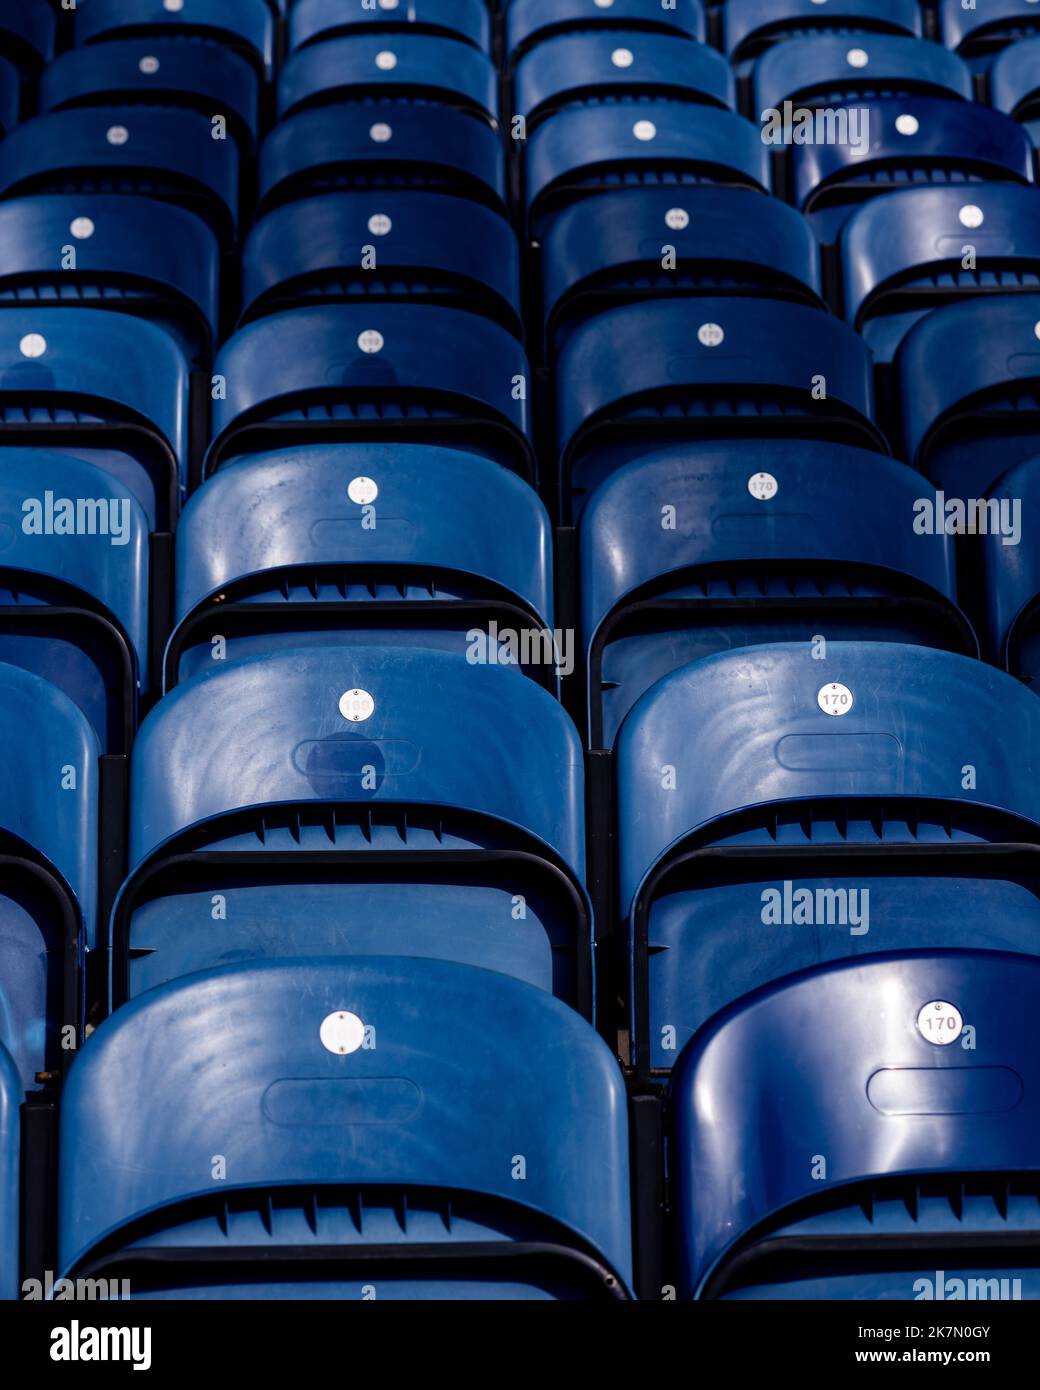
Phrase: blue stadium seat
[710,368]
[649,144]
[194,73]
[348,1184]
[10,96]
[48,851]
[370,372]
[108,387]
[874,1162]
[166,154]
[244,26]
[383,247]
[776,811]
[414,67]
[27,34]
[74,585]
[334,544]
[1011,572]
[611,249]
[314,20]
[388,145]
[10,1170]
[531,21]
[356,800]
[843,69]
[978,33]
[969,387]
[1014,84]
[114,252]
[918,143]
[699,548]
[594,68]
[904,255]
[750,28]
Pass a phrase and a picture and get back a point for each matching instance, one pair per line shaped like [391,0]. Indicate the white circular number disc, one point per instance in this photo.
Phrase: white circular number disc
[762,486]
[835,699]
[342,1032]
[356,705]
[362,491]
[939,1022]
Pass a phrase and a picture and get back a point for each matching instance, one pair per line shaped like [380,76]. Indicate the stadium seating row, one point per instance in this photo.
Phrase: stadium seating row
[784,441]
[287,868]
[847,113]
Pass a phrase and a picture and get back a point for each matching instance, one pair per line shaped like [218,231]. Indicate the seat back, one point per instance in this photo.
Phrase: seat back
[314,21]
[1014,82]
[1010,571]
[843,69]
[383,247]
[968,378]
[978,34]
[924,142]
[645,243]
[417,545]
[706,368]
[776,726]
[584,150]
[28,33]
[752,28]
[74,586]
[391,145]
[694,549]
[162,153]
[421,1160]
[108,387]
[48,854]
[165,72]
[399,798]
[882,1115]
[245,26]
[50,783]
[786,805]
[592,68]
[906,254]
[418,68]
[530,22]
[120,252]
[372,372]
[309,757]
